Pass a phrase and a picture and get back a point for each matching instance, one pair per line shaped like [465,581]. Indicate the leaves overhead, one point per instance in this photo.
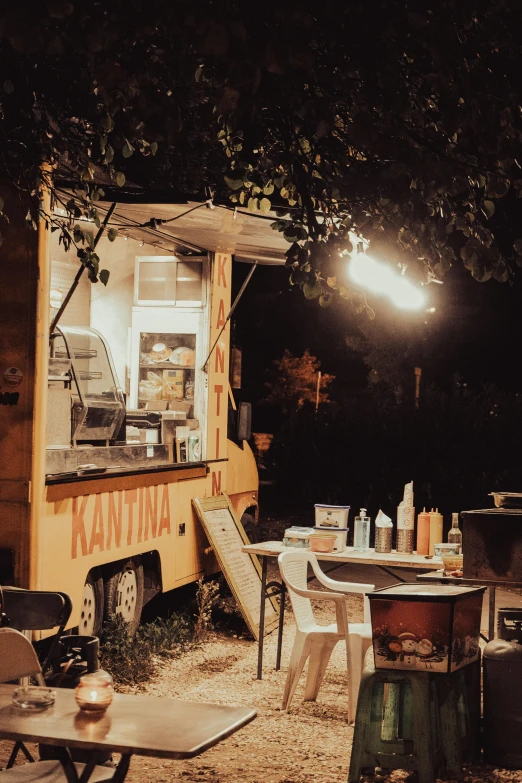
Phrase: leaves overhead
[392,121]
[398,122]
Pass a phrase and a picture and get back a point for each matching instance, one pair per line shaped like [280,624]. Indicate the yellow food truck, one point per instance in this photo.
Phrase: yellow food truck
[114,420]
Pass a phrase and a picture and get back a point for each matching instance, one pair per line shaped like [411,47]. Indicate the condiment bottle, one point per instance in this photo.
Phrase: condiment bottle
[435,529]
[423,533]
[361,540]
[455,534]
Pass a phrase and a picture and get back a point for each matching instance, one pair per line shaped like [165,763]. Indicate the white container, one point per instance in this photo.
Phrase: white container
[331,516]
[297,536]
[341,535]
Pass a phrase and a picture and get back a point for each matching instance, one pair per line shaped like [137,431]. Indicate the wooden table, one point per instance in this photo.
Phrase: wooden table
[268,549]
[133,725]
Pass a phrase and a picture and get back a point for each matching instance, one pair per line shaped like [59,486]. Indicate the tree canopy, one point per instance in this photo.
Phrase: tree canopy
[296,380]
[389,120]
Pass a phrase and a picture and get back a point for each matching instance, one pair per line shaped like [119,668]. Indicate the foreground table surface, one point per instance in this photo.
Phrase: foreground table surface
[393,559]
[133,724]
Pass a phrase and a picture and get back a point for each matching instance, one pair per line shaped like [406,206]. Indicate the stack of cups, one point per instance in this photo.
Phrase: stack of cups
[383,533]
[406,521]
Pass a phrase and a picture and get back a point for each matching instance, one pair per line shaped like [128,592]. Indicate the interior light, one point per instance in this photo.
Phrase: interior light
[384,280]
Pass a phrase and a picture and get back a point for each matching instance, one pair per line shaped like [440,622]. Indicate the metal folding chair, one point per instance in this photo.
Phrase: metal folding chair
[18,659]
[35,610]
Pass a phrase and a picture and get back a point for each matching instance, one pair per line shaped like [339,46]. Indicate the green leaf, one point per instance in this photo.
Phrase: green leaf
[264,205]
[439,271]
[104,276]
[268,189]
[107,122]
[501,273]
[295,233]
[325,299]
[489,208]
[2,202]
[109,154]
[312,290]
[233,184]
[252,204]
[120,178]
[8,87]
[127,150]
[497,187]
[517,246]
[154,147]
[112,233]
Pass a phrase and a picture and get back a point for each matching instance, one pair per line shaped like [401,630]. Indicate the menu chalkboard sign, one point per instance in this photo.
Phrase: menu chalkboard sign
[242,571]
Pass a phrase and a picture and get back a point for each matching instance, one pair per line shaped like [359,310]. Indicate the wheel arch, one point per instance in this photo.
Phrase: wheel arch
[152,575]
[245,503]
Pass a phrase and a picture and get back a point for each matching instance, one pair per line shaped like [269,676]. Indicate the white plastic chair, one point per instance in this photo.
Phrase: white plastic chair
[18,659]
[315,641]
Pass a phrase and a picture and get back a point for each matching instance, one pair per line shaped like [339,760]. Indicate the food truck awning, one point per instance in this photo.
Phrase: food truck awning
[202,226]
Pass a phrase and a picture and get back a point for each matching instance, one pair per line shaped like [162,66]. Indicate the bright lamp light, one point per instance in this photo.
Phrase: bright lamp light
[382,279]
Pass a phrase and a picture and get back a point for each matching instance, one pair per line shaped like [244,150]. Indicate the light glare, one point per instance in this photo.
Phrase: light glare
[381,279]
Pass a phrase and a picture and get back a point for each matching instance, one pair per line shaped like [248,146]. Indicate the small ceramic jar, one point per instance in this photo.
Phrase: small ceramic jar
[95,691]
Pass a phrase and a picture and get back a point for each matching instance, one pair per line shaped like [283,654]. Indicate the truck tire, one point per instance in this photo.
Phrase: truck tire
[249,524]
[91,617]
[124,593]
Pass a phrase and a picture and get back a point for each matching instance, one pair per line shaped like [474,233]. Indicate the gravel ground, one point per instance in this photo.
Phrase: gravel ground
[309,743]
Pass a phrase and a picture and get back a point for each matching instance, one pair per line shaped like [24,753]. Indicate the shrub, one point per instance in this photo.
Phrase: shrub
[133,660]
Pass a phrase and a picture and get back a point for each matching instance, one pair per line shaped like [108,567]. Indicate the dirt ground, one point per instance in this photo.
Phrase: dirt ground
[309,743]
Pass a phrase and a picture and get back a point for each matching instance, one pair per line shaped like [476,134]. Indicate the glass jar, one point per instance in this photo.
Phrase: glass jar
[95,691]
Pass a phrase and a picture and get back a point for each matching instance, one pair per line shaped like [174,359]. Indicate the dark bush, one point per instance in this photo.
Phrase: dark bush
[457,447]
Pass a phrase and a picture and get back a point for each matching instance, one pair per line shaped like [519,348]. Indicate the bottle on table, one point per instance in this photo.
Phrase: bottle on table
[423,533]
[455,533]
[361,538]
[435,529]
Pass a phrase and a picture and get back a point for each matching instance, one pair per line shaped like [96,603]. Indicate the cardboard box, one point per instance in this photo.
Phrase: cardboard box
[173,384]
[156,405]
[181,405]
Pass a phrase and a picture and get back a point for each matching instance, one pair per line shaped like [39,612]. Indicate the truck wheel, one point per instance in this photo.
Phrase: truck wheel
[249,523]
[124,593]
[91,617]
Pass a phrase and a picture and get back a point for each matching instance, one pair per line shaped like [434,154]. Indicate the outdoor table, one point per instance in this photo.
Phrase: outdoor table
[491,584]
[268,549]
[132,725]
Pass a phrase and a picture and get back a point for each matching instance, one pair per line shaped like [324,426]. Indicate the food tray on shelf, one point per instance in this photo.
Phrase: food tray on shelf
[507,499]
